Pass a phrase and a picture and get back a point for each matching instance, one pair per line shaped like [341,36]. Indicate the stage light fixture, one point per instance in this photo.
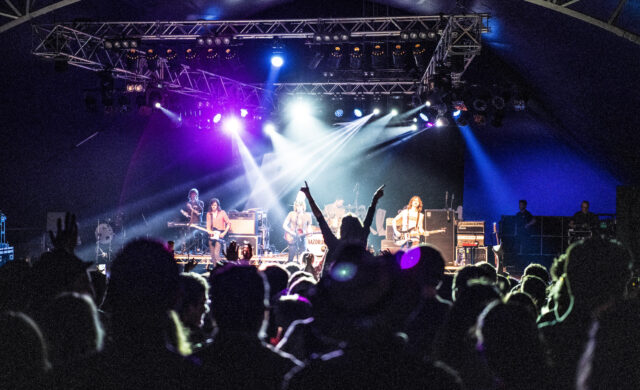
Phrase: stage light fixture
[441,121]
[413,35]
[300,109]
[269,129]
[419,55]
[456,113]
[243,112]
[398,56]
[131,88]
[277,60]
[422,35]
[415,120]
[355,60]
[377,56]
[338,113]
[157,105]
[404,36]
[217,117]
[232,125]
[200,41]
[108,44]
[424,117]
[336,57]
[217,41]
[376,111]
[394,112]
[226,40]
[414,127]
[357,112]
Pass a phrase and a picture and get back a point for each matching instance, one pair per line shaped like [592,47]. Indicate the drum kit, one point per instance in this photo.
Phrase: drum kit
[106,233]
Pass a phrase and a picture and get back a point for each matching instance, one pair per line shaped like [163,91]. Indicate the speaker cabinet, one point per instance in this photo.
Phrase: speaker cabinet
[441,219]
[243,223]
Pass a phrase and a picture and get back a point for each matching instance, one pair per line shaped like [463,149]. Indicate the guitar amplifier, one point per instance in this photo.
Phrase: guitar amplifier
[469,239]
[471,227]
[441,219]
[243,223]
[466,255]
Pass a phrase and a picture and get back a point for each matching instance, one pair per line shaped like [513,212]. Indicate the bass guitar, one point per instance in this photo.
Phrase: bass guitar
[213,234]
[291,239]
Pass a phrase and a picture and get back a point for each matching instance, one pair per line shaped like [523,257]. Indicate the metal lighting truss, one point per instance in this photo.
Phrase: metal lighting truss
[17,12]
[86,51]
[349,88]
[562,6]
[460,37]
[81,44]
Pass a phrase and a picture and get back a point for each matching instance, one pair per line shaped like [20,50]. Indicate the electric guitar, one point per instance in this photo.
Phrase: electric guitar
[412,234]
[290,238]
[213,234]
[497,251]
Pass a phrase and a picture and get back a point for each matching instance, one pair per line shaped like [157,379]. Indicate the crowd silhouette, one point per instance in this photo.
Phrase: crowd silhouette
[364,321]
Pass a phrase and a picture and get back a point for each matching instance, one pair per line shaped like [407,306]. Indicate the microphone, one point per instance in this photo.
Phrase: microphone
[446,199]
[452,197]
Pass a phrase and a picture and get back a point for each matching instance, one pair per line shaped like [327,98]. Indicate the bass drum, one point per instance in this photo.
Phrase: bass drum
[104,234]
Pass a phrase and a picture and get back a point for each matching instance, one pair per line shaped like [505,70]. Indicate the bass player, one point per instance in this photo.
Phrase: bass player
[411,222]
[218,225]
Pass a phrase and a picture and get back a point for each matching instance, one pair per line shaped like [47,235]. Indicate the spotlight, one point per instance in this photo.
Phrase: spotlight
[398,56]
[300,109]
[269,129]
[357,112]
[217,118]
[441,121]
[209,41]
[200,41]
[336,57]
[157,105]
[428,103]
[394,112]
[356,57]
[414,127]
[244,112]
[377,56]
[338,113]
[376,111]
[415,120]
[424,117]
[232,125]
[277,61]
[456,113]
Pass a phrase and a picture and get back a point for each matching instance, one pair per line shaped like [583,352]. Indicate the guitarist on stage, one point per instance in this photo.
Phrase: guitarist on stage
[296,226]
[217,222]
[412,221]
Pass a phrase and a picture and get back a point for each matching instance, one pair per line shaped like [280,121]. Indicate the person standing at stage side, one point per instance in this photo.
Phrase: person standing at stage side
[218,221]
[296,226]
[412,221]
[351,228]
[524,226]
[194,207]
[584,219]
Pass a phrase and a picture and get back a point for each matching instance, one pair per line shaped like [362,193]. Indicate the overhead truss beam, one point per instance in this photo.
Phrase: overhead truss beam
[375,27]
[607,26]
[16,17]
[82,45]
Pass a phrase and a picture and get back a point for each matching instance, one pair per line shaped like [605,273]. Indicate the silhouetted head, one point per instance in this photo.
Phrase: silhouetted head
[144,280]
[538,270]
[239,299]
[488,271]
[193,304]
[23,355]
[278,279]
[424,263]
[72,328]
[536,288]
[57,272]
[350,228]
[597,270]
[508,337]
[462,277]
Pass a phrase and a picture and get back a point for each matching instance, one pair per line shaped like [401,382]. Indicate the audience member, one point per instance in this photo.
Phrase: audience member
[507,337]
[23,354]
[71,328]
[596,272]
[238,358]
[193,307]
[538,270]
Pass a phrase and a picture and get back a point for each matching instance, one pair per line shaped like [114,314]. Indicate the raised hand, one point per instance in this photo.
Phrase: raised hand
[67,238]
[379,193]
[305,189]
